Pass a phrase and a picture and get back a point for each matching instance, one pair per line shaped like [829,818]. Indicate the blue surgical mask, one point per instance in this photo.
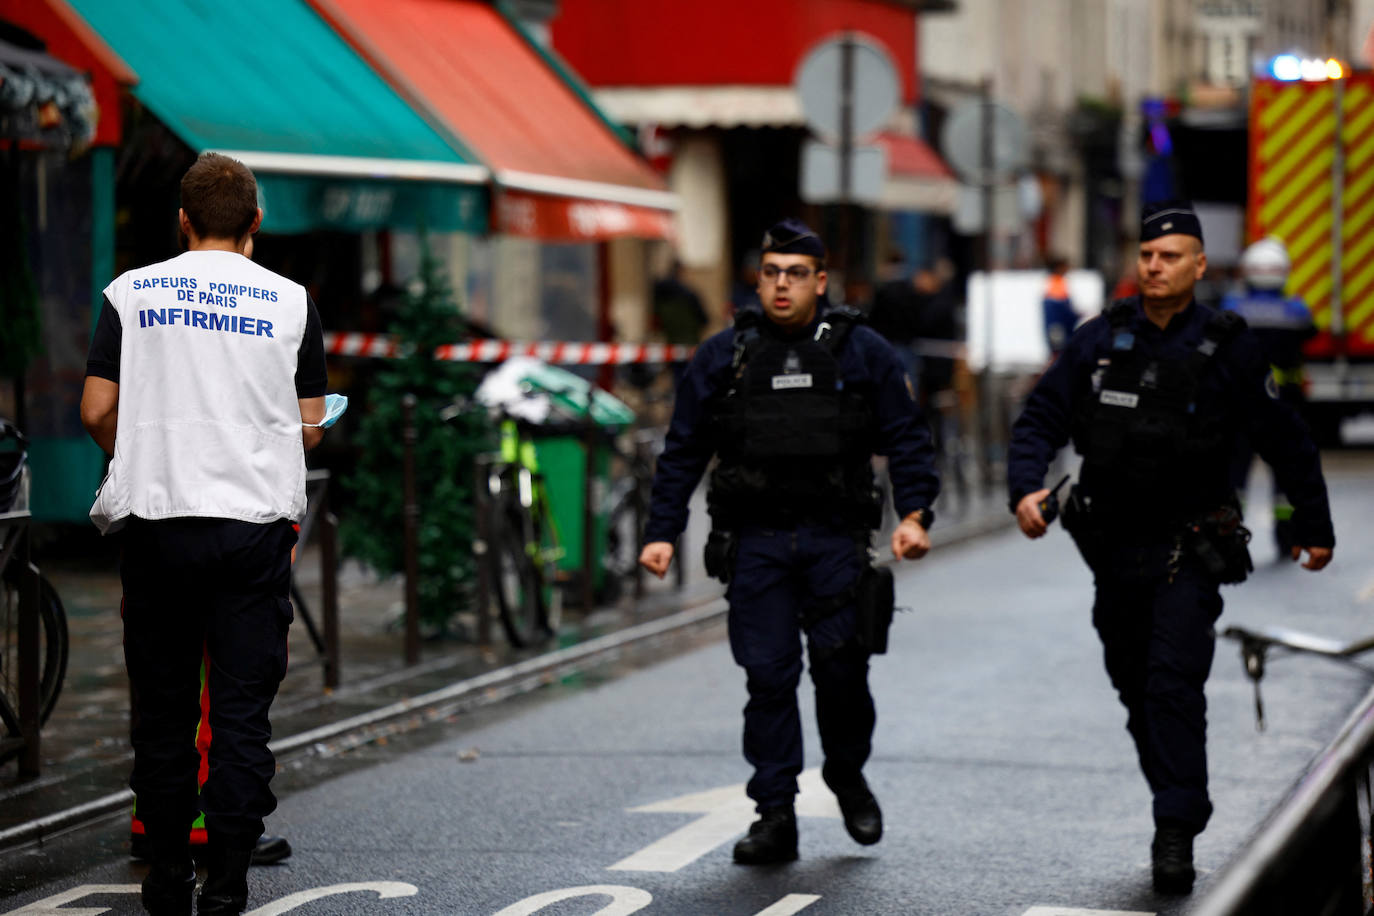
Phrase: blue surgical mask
[334,407]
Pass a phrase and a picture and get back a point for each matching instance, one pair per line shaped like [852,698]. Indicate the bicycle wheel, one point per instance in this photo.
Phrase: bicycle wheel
[515,577]
[52,649]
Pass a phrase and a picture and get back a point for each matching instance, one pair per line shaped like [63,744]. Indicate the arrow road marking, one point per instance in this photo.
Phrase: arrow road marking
[792,903]
[726,813]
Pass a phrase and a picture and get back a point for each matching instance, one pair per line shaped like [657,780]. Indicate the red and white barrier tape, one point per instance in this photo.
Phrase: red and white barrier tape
[565,353]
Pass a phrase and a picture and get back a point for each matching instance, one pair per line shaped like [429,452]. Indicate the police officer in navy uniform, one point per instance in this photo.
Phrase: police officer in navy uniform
[205,379]
[795,402]
[1153,395]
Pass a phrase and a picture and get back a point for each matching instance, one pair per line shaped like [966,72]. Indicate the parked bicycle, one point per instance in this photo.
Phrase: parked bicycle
[521,545]
[52,631]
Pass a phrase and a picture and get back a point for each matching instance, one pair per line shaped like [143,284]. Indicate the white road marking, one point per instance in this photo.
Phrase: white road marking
[48,906]
[792,903]
[383,889]
[726,813]
[624,900]
[1070,911]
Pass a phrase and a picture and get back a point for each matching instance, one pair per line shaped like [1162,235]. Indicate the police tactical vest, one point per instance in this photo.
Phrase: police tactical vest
[1140,429]
[209,421]
[787,428]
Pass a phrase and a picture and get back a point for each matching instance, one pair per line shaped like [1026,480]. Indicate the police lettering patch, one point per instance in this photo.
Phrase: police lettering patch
[1119,398]
[800,380]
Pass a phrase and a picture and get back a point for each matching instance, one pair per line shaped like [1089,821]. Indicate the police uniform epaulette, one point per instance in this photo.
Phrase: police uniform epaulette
[1120,312]
[1223,324]
[844,313]
[747,318]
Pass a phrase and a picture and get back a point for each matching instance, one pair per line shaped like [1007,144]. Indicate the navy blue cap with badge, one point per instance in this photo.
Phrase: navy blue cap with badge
[1169,217]
[792,236]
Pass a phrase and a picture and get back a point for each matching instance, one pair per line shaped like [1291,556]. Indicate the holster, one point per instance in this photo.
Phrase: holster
[1221,543]
[876,600]
[1087,532]
[722,550]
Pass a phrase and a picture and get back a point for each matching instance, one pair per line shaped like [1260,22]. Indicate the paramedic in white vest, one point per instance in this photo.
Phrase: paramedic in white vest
[205,375]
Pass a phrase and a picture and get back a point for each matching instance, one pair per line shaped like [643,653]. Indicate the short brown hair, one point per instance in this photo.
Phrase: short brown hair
[220,197]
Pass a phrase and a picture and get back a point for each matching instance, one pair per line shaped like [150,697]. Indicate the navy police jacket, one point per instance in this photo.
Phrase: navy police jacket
[1235,396]
[865,360]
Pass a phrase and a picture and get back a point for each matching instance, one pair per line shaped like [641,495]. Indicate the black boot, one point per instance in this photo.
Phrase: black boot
[772,838]
[1172,853]
[862,816]
[171,881]
[270,850]
[225,892]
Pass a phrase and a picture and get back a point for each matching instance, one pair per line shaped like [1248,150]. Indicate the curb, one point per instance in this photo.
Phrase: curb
[480,690]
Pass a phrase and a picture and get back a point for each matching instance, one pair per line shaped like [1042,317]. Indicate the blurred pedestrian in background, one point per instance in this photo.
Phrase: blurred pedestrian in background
[794,401]
[1154,394]
[1060,316]
[1282,324]
[896,311]
[206,384]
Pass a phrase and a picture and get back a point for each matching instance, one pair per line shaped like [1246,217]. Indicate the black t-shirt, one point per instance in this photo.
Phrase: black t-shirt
[312,380]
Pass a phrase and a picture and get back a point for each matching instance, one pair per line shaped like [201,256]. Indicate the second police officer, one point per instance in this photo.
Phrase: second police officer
[795,402]
[1154,394]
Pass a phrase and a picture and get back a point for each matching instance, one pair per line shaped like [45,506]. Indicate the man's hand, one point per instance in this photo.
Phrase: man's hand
[1317,557]
[656,556]
[910,541]
[1028,514]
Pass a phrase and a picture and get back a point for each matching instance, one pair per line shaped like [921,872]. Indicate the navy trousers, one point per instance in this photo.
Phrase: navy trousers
[213,589]
[778,573]
[1158,639]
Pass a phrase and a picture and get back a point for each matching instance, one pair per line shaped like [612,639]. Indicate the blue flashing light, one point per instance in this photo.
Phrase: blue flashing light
[1286,67]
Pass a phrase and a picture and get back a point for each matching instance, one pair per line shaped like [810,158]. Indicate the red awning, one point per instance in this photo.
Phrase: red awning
[918,180]
[912,157]
[560,170]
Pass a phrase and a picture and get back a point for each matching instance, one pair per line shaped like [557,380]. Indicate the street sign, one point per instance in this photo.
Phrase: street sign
[821,179]
[962,142]
[874,91]
[968,218]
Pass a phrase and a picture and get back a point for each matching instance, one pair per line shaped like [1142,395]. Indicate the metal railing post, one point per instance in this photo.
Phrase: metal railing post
[410,522]
[329,593]
[481,546]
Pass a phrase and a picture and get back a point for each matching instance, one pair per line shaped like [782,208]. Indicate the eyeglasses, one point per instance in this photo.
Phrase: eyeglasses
[796,273]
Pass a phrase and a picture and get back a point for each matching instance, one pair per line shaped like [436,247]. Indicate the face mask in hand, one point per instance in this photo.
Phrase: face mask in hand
[334,407]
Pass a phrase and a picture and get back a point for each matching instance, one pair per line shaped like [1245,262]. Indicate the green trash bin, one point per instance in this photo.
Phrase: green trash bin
[556,402]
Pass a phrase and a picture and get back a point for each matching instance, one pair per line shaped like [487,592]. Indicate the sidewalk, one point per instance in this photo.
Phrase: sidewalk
[86,754]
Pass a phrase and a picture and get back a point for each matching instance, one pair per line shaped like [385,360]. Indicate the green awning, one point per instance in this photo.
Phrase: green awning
[269,82]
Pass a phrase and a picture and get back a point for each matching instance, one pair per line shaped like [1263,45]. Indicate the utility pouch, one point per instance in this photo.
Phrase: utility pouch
[722,549]
[1221,543]
[876,600]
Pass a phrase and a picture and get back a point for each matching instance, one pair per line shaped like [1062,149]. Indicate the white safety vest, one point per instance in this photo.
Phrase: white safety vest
[209,424]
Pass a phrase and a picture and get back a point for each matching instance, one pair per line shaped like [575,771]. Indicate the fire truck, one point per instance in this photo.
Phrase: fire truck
[1311,184]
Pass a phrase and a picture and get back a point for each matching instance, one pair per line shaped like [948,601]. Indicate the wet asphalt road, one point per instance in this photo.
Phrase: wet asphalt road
[1001,759]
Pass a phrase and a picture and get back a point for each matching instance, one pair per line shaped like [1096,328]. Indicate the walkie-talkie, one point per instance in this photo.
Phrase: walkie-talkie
[1049,506]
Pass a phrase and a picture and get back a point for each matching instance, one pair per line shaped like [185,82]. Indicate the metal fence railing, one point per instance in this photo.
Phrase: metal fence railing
[1312,855]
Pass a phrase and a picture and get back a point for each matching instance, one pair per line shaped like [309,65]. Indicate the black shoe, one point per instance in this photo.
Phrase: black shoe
[168,889]
[270,850]
[772,839]
[862,816]
[1172,854]
[225,891]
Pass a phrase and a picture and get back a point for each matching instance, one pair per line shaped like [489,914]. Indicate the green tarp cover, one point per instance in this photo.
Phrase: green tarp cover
[271,76]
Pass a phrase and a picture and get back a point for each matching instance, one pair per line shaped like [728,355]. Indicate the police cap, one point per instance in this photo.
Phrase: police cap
[1169,217]
[792,236]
